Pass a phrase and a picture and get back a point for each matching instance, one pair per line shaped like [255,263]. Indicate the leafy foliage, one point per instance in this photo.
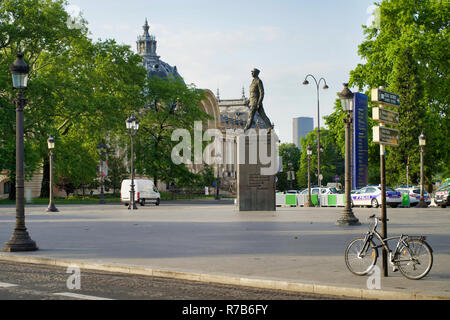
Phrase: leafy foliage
[79,91]
[289,153]
[331,160]
[172,105]
[407,53]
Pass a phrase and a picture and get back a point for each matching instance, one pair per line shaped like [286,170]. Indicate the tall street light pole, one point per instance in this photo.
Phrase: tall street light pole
[101,148]
[347,218]
[422,143]
[132,126]
[325,87]
[309,153]
[20,239]
[51,146]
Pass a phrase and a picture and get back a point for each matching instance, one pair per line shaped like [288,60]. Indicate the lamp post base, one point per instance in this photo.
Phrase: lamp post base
[52,208]
[132,206]
[20,241]
[348,219]
[422,204]
[308,204]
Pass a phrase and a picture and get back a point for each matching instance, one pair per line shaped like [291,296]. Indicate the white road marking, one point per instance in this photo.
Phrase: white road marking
[7,285]
[80,296]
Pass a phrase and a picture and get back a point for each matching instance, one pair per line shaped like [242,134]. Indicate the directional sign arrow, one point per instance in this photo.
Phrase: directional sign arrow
[385,135]
[382,115]
[386,98]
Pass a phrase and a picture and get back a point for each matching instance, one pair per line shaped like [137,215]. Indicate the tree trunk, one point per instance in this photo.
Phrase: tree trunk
[45,185]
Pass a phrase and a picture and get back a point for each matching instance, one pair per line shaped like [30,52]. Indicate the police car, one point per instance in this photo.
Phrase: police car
[371,196]
[414,195]
[442,195]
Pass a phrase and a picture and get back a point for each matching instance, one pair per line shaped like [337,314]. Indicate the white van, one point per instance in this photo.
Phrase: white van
[144,191]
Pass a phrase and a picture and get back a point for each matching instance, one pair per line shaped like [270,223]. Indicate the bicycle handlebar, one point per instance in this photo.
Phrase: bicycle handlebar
[375,217]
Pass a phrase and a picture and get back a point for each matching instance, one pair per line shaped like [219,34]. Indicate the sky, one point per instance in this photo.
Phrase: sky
[215,44]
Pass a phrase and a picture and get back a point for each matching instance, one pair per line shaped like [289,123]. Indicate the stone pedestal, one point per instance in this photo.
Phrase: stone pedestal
[255,188]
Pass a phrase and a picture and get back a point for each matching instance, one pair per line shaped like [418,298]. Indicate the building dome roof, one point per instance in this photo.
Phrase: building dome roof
[146,47]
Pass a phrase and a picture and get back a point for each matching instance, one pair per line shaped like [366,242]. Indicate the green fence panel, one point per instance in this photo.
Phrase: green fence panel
[314,199]
[405,199]
[291,199]
[332,201]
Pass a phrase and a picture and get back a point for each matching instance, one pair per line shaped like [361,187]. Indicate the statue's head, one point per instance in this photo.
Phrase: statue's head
[255,72]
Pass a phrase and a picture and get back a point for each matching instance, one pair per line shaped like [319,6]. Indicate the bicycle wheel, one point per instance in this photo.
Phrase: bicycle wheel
[360,260]
[415,260]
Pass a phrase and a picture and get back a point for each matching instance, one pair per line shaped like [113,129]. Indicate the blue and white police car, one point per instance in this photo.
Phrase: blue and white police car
[371,196]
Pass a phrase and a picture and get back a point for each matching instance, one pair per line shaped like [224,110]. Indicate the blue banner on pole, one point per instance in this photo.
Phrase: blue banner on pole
[360,141]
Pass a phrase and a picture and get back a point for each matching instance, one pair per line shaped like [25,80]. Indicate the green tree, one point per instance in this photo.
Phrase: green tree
[32,27]
[78,90]
[171,105]
[408,54]
[75,164]
[331,160]
[289,153]
[117,171]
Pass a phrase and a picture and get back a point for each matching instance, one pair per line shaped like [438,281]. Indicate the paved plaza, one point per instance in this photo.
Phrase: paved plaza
[292,248]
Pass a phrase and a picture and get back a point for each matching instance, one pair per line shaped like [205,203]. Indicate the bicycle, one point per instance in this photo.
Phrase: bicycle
[413,256]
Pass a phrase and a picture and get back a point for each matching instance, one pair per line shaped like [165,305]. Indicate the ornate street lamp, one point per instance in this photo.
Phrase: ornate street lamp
[20,239]
[325,87]
[132,127]
[51,146]
[422,143]
[347,217]
[102,148]
[309,153]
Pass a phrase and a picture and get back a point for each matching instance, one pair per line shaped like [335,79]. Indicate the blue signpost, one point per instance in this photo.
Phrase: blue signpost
[360,141]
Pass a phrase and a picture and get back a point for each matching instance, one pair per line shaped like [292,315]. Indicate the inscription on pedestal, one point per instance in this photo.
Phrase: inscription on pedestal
[256,191]
[259,182]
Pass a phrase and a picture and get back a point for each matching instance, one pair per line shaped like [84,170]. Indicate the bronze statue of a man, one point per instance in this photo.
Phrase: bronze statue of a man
[255,101]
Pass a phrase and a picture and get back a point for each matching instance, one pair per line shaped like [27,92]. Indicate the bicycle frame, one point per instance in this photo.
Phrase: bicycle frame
[412,256]
[384,242]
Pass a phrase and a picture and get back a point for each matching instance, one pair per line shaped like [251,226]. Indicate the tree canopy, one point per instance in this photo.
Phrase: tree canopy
[407,51]
[171,104]
[79,91]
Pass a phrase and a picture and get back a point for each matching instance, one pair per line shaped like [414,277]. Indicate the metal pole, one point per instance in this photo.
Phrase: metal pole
[102,195]
[421,203]
[309,203]
[383,206]
[421,174]
[348,218]
[51,206]
[318,140]
[20,239]
[132,204]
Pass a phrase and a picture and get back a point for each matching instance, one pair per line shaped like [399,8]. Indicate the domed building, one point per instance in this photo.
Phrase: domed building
[146,48]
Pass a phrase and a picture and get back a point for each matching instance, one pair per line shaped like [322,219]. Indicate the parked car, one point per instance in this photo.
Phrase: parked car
[144,191]
[336,185]
[414,195]
[441,196]
[323,190]
[371,196]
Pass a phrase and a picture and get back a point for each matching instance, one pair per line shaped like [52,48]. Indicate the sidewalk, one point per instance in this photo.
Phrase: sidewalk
[298,249]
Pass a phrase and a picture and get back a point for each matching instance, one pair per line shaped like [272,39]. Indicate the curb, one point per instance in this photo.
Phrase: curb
[230,280]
